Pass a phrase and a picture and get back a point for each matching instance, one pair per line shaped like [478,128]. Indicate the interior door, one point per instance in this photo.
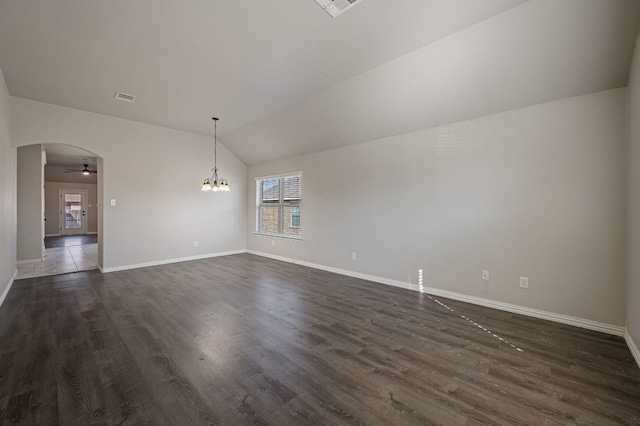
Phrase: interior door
[73,212]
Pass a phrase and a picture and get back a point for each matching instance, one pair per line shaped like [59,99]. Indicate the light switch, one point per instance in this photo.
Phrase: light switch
[113,201]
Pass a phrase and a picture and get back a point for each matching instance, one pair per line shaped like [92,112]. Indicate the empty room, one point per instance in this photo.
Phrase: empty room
[320,212]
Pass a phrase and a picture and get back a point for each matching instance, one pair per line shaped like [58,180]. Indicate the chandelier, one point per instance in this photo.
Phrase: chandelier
[215,183]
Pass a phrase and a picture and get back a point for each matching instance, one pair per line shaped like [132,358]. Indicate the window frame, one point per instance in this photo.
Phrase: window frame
[281,205]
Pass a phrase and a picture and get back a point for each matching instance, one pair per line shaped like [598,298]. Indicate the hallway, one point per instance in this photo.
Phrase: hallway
[63,255]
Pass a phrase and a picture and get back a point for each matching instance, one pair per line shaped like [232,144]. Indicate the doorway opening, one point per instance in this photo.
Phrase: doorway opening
[69,204]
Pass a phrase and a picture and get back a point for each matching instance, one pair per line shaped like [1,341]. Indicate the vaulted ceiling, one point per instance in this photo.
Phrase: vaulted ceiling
[286,78]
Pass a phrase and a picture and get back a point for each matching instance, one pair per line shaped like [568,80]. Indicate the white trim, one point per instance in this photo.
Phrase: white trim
[279,175]
[536,313]
[284,236]
[51,235]
[6,290]
[91,233]
[615,330]
[27,261]
[632,347]
[166,261]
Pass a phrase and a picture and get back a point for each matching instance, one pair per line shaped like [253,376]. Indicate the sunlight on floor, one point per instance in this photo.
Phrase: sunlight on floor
[421,289]
[61,260]
[476,324]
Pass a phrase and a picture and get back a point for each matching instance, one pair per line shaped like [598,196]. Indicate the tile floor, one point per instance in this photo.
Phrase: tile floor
[61,260]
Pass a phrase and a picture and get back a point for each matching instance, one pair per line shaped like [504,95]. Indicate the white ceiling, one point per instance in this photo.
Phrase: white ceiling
[285,78]
[66,155]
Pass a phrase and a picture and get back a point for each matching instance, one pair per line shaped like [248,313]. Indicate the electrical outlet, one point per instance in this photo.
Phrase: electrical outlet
[524,282]
[485,275]
[353,255]
[195,244]
[273,242]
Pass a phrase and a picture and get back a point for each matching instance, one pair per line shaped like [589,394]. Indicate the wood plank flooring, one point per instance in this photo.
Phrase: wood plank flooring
[245,340]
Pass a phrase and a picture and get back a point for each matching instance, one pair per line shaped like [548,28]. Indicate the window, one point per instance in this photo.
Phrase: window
[278,200]
[295,217]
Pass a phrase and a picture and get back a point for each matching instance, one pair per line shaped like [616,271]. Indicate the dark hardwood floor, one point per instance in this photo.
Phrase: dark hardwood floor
[70,240]
[247,340]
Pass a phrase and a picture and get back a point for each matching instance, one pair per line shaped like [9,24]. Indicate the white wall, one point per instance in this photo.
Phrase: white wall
[633,239]
[155,175]
[52,205]
[8,161]
[30,207]
[536,192]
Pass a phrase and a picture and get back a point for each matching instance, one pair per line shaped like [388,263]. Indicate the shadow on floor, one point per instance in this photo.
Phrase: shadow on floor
[70,240]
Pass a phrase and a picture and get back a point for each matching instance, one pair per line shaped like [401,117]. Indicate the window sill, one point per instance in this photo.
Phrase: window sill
[286,237]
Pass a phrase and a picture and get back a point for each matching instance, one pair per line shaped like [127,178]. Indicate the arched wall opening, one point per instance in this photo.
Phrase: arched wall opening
[47,171]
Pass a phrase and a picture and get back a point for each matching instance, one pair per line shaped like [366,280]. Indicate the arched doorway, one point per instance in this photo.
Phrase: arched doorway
[59,210]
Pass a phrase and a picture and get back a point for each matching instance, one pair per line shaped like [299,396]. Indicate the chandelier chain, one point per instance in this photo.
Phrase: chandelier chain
[215,183]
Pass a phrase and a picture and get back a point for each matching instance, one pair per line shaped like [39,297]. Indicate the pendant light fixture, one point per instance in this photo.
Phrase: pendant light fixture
[214,183]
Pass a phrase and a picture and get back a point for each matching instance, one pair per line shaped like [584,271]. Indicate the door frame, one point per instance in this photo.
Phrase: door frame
[83,197]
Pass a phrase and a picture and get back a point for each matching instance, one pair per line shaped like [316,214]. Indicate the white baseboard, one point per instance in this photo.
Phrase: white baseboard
[632,347]
[26,261]
[167,261]
[6,290]
[51,235]
[536,313]
[91,233]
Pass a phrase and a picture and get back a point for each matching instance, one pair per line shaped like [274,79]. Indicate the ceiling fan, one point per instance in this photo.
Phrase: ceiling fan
[84,171]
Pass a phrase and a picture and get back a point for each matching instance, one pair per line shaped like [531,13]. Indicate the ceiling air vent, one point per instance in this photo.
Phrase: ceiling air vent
[124,97]
[336,7]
